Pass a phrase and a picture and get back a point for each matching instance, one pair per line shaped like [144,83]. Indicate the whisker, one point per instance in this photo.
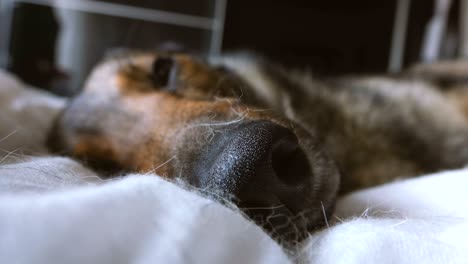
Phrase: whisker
[9,153]
[339,219]
[263,208]
[9,135]
[220,123]
[324,215]
[164,163]
[399,223]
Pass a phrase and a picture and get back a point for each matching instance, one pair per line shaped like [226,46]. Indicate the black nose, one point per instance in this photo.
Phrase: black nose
[260,166]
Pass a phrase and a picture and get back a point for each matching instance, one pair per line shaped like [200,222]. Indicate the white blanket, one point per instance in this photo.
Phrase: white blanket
[53,210]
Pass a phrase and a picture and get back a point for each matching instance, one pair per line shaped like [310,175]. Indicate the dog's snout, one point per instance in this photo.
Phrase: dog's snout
[259,165]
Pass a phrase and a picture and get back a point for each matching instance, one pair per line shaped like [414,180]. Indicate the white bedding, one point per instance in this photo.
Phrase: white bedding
[53,210]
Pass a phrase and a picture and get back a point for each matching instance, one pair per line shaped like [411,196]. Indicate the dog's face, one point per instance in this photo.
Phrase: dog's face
[181,118]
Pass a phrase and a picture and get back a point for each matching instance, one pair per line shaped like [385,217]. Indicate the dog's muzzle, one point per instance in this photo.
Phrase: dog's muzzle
[260,166]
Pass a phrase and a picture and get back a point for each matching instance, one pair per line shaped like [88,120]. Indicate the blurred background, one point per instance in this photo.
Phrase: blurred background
[53,44]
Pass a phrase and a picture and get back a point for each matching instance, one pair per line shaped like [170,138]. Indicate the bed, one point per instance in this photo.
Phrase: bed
[55,210]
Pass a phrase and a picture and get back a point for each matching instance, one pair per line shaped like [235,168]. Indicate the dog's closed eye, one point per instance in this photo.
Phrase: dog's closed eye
[163,73]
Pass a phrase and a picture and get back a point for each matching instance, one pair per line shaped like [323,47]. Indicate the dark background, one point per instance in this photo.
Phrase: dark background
[331,37]
[327,37]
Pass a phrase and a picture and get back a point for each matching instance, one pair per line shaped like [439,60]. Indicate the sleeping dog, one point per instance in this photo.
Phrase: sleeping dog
[276,143]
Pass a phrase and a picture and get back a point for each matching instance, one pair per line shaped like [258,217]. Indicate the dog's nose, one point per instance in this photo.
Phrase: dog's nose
[261,167]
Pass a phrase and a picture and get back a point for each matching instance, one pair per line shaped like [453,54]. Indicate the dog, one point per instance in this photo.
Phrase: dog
[278,143]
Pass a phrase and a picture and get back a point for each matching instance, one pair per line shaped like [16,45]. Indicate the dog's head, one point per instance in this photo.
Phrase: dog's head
[179,117]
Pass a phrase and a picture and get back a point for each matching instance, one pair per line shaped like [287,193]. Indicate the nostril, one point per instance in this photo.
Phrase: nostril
[289,162]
